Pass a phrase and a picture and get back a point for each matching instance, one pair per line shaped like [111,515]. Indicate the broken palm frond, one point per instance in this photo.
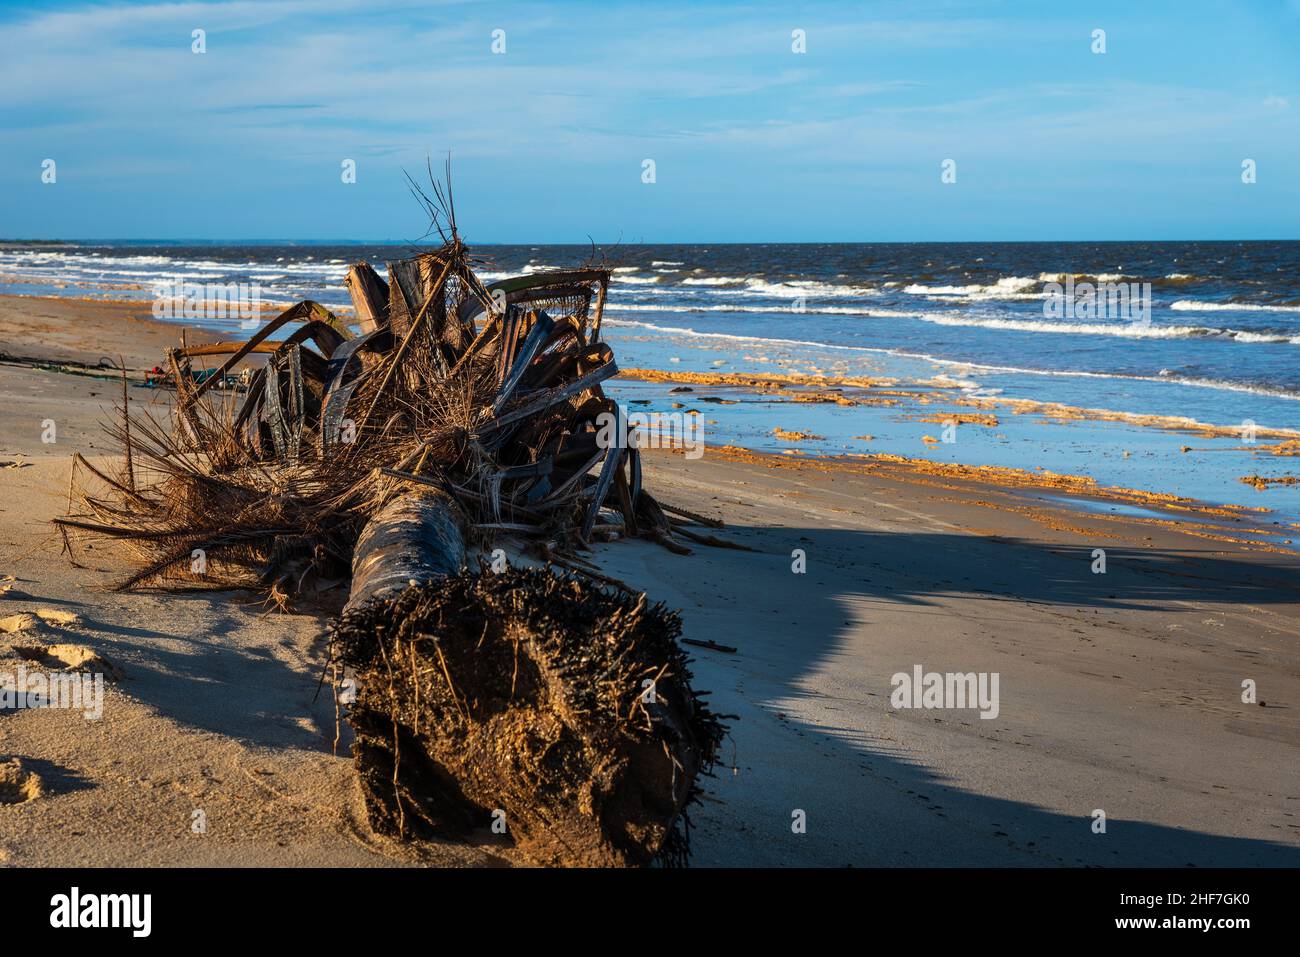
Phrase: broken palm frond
[459,409]
[492,391]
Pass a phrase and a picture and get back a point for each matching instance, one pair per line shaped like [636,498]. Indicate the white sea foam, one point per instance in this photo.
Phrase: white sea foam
[1098,277]
[712,281]
[1126,330]
[1008,287]
[763,310]
[989,296]
[916,289]
[1118,329]
[1195,305]
[802,289]
[965,365]
[806,289]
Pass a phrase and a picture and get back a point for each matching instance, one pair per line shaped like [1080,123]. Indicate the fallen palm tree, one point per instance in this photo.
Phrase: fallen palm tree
[560,710]
[459,415]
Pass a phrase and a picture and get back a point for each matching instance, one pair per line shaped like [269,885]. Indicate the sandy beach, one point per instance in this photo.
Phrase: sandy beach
[1119,692]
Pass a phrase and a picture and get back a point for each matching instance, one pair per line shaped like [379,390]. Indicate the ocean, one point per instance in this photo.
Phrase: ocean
[1215,335]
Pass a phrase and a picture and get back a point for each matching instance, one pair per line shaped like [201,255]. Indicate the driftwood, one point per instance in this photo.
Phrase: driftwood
[460,413]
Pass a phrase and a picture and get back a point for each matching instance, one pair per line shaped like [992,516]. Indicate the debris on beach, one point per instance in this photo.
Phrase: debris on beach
[959,418]
[1263,483]
[461,417]
[490,395]
[788,435]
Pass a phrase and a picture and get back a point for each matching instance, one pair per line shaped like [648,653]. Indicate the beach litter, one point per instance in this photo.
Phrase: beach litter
[551,703]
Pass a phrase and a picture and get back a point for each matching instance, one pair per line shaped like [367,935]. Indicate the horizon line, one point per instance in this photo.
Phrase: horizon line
[620,244]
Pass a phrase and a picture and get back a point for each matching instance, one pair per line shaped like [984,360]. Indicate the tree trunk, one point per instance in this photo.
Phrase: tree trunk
[550,709]
[414,539]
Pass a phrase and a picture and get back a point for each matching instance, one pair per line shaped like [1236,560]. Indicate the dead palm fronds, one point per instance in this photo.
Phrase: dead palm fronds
[493,392]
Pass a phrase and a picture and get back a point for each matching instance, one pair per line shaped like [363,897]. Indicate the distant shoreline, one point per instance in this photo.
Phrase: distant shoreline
[623,244]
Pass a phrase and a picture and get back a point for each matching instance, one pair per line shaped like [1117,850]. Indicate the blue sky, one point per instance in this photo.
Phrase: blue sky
[751,141]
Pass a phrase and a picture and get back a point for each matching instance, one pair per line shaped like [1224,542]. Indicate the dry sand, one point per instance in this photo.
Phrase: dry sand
[1119,692]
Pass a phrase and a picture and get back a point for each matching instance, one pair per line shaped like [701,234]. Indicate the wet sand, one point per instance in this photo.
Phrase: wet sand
[1118,691]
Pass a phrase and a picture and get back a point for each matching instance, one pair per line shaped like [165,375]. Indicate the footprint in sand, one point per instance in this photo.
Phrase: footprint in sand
[70,658]
[53,616]
[33,621]
[20,622]
[18,784]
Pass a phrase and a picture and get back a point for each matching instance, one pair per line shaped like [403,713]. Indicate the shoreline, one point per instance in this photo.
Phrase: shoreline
[1256,477]
[867,388]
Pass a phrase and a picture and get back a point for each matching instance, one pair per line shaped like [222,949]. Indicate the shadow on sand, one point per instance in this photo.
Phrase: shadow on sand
[866,802]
